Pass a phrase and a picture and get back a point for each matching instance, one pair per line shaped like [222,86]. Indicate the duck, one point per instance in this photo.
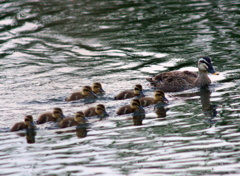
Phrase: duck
[97,88]
[98,110]
[175,81]
[134,106]
[136,92]
[159,97]
[27,124]
[79,118]
[86,92]
[54,116]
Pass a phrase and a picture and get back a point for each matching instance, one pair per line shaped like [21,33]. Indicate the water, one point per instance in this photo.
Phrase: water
[50,49]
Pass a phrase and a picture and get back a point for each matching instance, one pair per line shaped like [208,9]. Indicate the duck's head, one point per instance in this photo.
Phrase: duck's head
[28,120]
[160,96]
[57,114]
[138,90]
[58,110]
[205,64]
[135,104]
[79,117]
[87,90]
[101,110]
[97,88]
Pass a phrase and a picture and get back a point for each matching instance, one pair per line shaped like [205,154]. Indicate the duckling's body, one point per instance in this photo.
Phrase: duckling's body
[99,110]
[175,81]
[54,116]
[137,91]
[78,119]
[97,88]
[127,109]
[159,97]
[86,92]
[28,123]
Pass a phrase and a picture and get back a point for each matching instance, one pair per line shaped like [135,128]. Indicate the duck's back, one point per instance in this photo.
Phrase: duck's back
[45,117]
[125,95]
[174,81]
[90,112]
[18,126]
[75,96]
[125,110]
[67,122]
[146,101]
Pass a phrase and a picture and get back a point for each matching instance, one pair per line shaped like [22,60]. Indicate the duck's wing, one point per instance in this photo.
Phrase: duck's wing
[174,81]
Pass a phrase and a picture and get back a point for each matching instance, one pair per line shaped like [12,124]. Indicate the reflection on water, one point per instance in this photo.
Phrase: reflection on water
[53,48]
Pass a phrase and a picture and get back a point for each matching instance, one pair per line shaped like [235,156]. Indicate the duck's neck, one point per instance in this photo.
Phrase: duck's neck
[202,79]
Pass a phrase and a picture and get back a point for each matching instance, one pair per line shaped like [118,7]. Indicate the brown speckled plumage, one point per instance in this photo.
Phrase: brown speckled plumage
[78,119]
[159,97]
[127,109]
[137,91]
[28,123]
[84,93]
[54,116]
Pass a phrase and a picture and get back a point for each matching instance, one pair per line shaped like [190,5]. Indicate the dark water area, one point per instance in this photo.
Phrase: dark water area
[49,49]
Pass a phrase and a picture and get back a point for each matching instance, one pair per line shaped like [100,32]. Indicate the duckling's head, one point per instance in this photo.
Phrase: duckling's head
[87,90]
[28,120]
[59,110]
[57,114]
[97,88]
[101,110]
[205,64]
[79,117]
[160,96]
[135,104]
[138,90]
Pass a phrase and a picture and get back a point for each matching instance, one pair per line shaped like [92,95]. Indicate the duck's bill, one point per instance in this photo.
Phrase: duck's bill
[165,100]
[215,73]
[102,91]
[212,70]
[93,94]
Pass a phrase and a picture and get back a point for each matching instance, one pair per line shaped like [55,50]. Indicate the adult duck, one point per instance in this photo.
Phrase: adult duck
[175,81]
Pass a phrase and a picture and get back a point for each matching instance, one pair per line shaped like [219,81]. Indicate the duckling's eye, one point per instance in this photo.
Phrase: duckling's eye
[27,120]
[100,109]
[135,104]
[159,95]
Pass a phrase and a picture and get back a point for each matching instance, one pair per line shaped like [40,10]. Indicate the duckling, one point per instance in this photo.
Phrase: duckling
[133,107]
[28,123]
[85,93]
[54,116]
[97,88]
[78,118]
[99,111]
[159,97]
[137,91]
[175,81]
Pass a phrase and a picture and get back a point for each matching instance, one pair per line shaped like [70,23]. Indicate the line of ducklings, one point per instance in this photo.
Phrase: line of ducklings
[173,81]
[136,106]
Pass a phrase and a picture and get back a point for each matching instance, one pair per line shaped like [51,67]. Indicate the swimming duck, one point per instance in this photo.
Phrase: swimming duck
[99,111]
[175,81]
[137,91]
[97,88]
[54,116]
[85,93]
[28,123]
[133,107]
[78,119]
[159,97]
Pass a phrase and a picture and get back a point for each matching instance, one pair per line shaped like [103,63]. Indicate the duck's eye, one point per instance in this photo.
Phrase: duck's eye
[135,104]
[27,120]
[100,109]
[136,89]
